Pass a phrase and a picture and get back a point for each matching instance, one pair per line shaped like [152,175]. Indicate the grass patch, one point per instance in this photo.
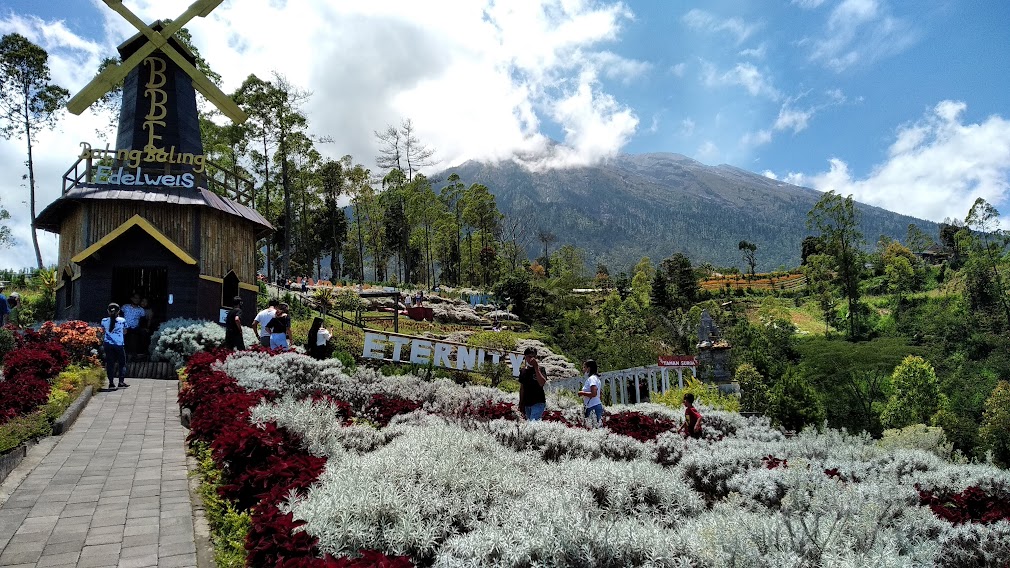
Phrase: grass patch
[228,527]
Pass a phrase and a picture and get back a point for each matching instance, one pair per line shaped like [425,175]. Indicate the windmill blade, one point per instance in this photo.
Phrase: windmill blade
[111,76]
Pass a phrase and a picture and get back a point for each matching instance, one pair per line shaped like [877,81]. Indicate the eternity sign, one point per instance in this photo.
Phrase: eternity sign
[442,354]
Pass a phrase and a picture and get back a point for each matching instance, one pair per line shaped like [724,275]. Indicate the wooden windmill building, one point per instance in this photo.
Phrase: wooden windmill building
[152,215]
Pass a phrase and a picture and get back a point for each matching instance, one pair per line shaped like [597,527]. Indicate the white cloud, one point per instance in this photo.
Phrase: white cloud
[745,75]
[679,69]
[770,175]
[707,153]
[479,79]
[859,32]
[687,127]
[793,119]
[936,168]
[758,52]
[708,22]
[759,138]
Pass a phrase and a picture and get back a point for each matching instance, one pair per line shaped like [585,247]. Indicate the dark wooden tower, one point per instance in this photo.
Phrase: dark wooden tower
[153,215]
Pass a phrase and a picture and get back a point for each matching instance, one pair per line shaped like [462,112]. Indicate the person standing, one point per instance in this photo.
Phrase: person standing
[280,328]
[114,346]
[261,321]
[132,313]
[4,308]
[691,428]
[590,393]
[233,326]
[532,397]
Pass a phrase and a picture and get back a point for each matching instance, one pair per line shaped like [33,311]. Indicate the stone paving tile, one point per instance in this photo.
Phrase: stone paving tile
[113,491]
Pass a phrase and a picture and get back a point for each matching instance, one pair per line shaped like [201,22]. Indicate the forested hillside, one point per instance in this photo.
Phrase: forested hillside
[658,204]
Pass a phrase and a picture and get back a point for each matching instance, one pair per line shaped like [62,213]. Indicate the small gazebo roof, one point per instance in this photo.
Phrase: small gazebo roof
[51,216]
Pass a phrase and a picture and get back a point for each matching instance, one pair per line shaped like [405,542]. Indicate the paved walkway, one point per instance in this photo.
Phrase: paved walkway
[112,491]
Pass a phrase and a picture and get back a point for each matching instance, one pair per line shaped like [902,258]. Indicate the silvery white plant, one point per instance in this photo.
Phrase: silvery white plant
[919,437]
[432,486]
[177,339]
[449,490]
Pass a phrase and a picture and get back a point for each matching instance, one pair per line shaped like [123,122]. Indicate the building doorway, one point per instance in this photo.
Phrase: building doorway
[149,282]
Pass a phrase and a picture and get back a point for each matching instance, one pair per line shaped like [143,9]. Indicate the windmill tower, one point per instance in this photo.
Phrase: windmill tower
[153,216]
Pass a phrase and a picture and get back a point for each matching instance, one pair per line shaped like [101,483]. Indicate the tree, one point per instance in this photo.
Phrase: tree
[990,247]
[28,103]
[547,238]
[749,251]
[333,221]
[754,391]
[837,219]
[811,245]
[996,424]
[793,403]
[6,239]
[401,149]
[916,394]
[917,239]
[681,281]
[817,270]
[659,297]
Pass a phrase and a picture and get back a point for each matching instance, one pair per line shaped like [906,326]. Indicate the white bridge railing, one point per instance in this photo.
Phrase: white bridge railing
[656,377]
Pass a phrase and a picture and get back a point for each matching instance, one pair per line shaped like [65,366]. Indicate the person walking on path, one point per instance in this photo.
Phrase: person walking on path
[280,328]
[233,326]
[691,428]
[590,393]
[532,398]
[261,321]
[115,347]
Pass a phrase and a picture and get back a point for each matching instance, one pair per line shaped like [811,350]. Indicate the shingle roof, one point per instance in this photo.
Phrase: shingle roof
[49,219]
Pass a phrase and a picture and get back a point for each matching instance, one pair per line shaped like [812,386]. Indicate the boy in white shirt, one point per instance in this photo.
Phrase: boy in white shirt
[261,321]
[591,392]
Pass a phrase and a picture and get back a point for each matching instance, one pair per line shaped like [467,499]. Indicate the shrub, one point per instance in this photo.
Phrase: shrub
[919,437]
[382,408]
[40,360]
[22,394]
[794,404]
[177,339]
[995,430]
[973,505]
[7,342]
[637,425]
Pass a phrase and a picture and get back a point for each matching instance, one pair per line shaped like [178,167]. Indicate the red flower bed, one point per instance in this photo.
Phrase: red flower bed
[637,425]
[382,408]
[40,360]
[973,505]
[22,394]
[262,465]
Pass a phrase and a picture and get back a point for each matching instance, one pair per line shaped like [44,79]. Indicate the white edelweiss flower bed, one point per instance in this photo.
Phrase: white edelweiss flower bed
[450,490]
[177,339]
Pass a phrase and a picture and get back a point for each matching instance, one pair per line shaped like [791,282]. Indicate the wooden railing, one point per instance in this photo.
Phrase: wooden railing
[216,178]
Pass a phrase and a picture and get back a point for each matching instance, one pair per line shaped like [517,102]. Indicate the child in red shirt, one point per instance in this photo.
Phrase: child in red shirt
[692,418]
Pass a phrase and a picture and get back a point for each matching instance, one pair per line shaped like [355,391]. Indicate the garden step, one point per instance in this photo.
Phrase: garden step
[150,370]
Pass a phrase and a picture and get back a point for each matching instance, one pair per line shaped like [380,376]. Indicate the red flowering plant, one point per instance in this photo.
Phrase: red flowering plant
[382,408]
[79,339]
[22,394]
[637,425]
[973,505]
[40,360]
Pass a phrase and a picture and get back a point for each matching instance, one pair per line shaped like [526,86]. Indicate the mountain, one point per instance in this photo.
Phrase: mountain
[655,205]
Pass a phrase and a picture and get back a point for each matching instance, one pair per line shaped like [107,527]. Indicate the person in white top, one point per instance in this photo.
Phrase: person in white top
[114,347]
[591,392]
[261,321]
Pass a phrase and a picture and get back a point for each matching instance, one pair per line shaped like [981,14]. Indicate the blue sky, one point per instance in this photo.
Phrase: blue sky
[901,104]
